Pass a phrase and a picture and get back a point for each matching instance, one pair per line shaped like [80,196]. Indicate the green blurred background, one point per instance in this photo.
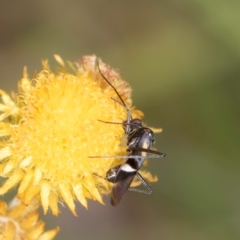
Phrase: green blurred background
[182,60]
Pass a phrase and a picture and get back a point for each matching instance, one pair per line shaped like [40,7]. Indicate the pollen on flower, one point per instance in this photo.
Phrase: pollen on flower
[18,221]
[50,128]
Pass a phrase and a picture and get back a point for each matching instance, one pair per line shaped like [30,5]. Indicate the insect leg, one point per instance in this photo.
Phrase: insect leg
[140,149]
[144,182]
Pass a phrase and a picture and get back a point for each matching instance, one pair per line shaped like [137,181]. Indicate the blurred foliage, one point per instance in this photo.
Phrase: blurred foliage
[182,60]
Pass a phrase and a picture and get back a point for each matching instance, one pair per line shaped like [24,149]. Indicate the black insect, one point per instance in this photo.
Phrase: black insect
[139,142]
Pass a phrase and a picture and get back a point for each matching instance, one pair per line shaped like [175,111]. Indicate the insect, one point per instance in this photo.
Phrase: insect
[123,175]
[139,142]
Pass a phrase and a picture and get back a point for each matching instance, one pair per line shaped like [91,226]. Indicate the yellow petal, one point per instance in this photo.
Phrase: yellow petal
[59,60]
[12,181]
[25,84]
[3,108]
[6,99]
[94,190]
[156,130]
[18,221]
[49,235]
[78,190]
[45,193]
[27,179]
[5,152]
[37,176]
[67,197]
[25,162]
[8,168]
[29,194]
[53,203]
[148,176]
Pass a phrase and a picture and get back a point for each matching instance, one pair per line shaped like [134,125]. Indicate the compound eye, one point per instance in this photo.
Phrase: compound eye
[136,122]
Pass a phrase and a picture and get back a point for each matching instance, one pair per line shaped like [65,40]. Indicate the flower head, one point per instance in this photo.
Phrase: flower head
[50,128]
[18,221]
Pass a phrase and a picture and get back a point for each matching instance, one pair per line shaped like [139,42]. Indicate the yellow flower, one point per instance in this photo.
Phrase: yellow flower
[19,222]
[50,128]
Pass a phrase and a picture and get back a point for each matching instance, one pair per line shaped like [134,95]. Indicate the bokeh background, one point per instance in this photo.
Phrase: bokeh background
[182,59]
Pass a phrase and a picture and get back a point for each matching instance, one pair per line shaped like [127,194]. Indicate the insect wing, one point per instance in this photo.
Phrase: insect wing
[120,188]
[122,182]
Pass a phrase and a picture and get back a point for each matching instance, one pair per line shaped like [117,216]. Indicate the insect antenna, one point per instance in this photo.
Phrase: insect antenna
[129,116]
[115,90]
